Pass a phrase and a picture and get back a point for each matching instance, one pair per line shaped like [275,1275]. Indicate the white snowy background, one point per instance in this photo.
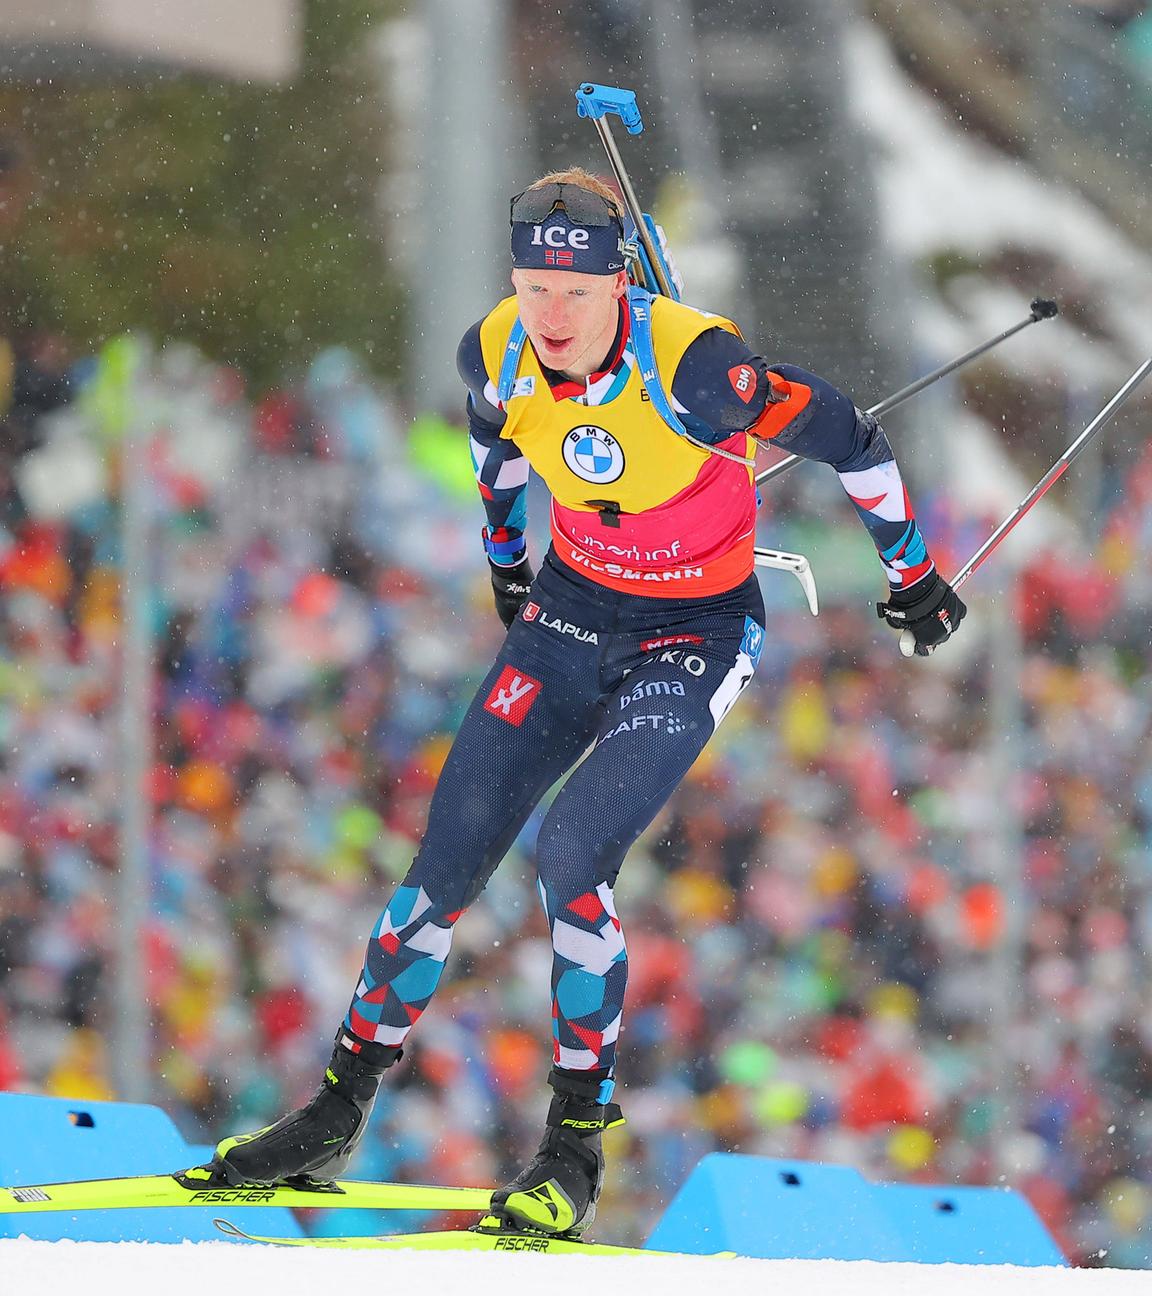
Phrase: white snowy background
[194,1269]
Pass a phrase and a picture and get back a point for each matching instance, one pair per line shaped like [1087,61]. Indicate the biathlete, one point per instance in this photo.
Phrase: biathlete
[629,647]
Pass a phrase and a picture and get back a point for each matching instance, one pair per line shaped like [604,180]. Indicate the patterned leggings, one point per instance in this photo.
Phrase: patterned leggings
[644,683]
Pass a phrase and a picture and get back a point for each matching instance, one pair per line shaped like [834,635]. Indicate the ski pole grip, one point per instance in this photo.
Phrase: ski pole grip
[595,101]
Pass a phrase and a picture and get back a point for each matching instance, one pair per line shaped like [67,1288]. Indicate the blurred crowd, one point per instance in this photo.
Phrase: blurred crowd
[832,955]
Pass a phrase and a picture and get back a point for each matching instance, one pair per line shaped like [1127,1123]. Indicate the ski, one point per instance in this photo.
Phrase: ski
[462,1240]
[200,1187]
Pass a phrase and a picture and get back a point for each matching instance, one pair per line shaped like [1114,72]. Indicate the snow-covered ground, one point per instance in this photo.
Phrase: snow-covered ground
[128,1268]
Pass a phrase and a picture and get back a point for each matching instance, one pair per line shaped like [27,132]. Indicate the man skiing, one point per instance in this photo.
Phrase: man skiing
[638,634]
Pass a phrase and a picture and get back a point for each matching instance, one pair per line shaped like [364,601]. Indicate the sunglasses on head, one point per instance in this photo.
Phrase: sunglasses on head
[581,206]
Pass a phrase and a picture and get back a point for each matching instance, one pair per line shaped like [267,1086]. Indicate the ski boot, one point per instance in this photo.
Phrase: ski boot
[557,1193]
[315,1144]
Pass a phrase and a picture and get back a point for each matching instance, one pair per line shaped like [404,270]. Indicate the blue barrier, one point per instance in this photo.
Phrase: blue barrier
[778,1210]
[756,1206]
[969,1225]
[45,1140]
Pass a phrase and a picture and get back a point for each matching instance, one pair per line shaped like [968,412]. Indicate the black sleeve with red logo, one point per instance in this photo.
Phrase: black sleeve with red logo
[721,387]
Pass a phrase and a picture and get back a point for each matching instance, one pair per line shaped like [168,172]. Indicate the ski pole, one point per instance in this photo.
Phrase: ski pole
[595,102]
[1053,475]
[1042,309]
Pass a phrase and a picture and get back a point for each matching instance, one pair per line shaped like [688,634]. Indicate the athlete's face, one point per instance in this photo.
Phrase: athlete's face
[570,318]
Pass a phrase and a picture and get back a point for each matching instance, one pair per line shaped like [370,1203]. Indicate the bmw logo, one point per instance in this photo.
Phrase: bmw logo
[593,454]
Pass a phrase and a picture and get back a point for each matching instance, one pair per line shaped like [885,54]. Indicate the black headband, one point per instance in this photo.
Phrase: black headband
[565,227]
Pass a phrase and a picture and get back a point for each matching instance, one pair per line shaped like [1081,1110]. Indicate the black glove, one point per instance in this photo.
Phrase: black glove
[511,586]
[931,611]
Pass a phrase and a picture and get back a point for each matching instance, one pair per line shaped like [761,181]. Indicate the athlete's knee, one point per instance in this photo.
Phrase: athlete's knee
[574,853]
[453,878]
[467,825]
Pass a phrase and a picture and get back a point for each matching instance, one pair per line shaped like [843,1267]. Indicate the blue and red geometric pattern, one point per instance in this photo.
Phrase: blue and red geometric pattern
[882,503]
[402,967]
[502,476]
[589,975]
[408,949]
